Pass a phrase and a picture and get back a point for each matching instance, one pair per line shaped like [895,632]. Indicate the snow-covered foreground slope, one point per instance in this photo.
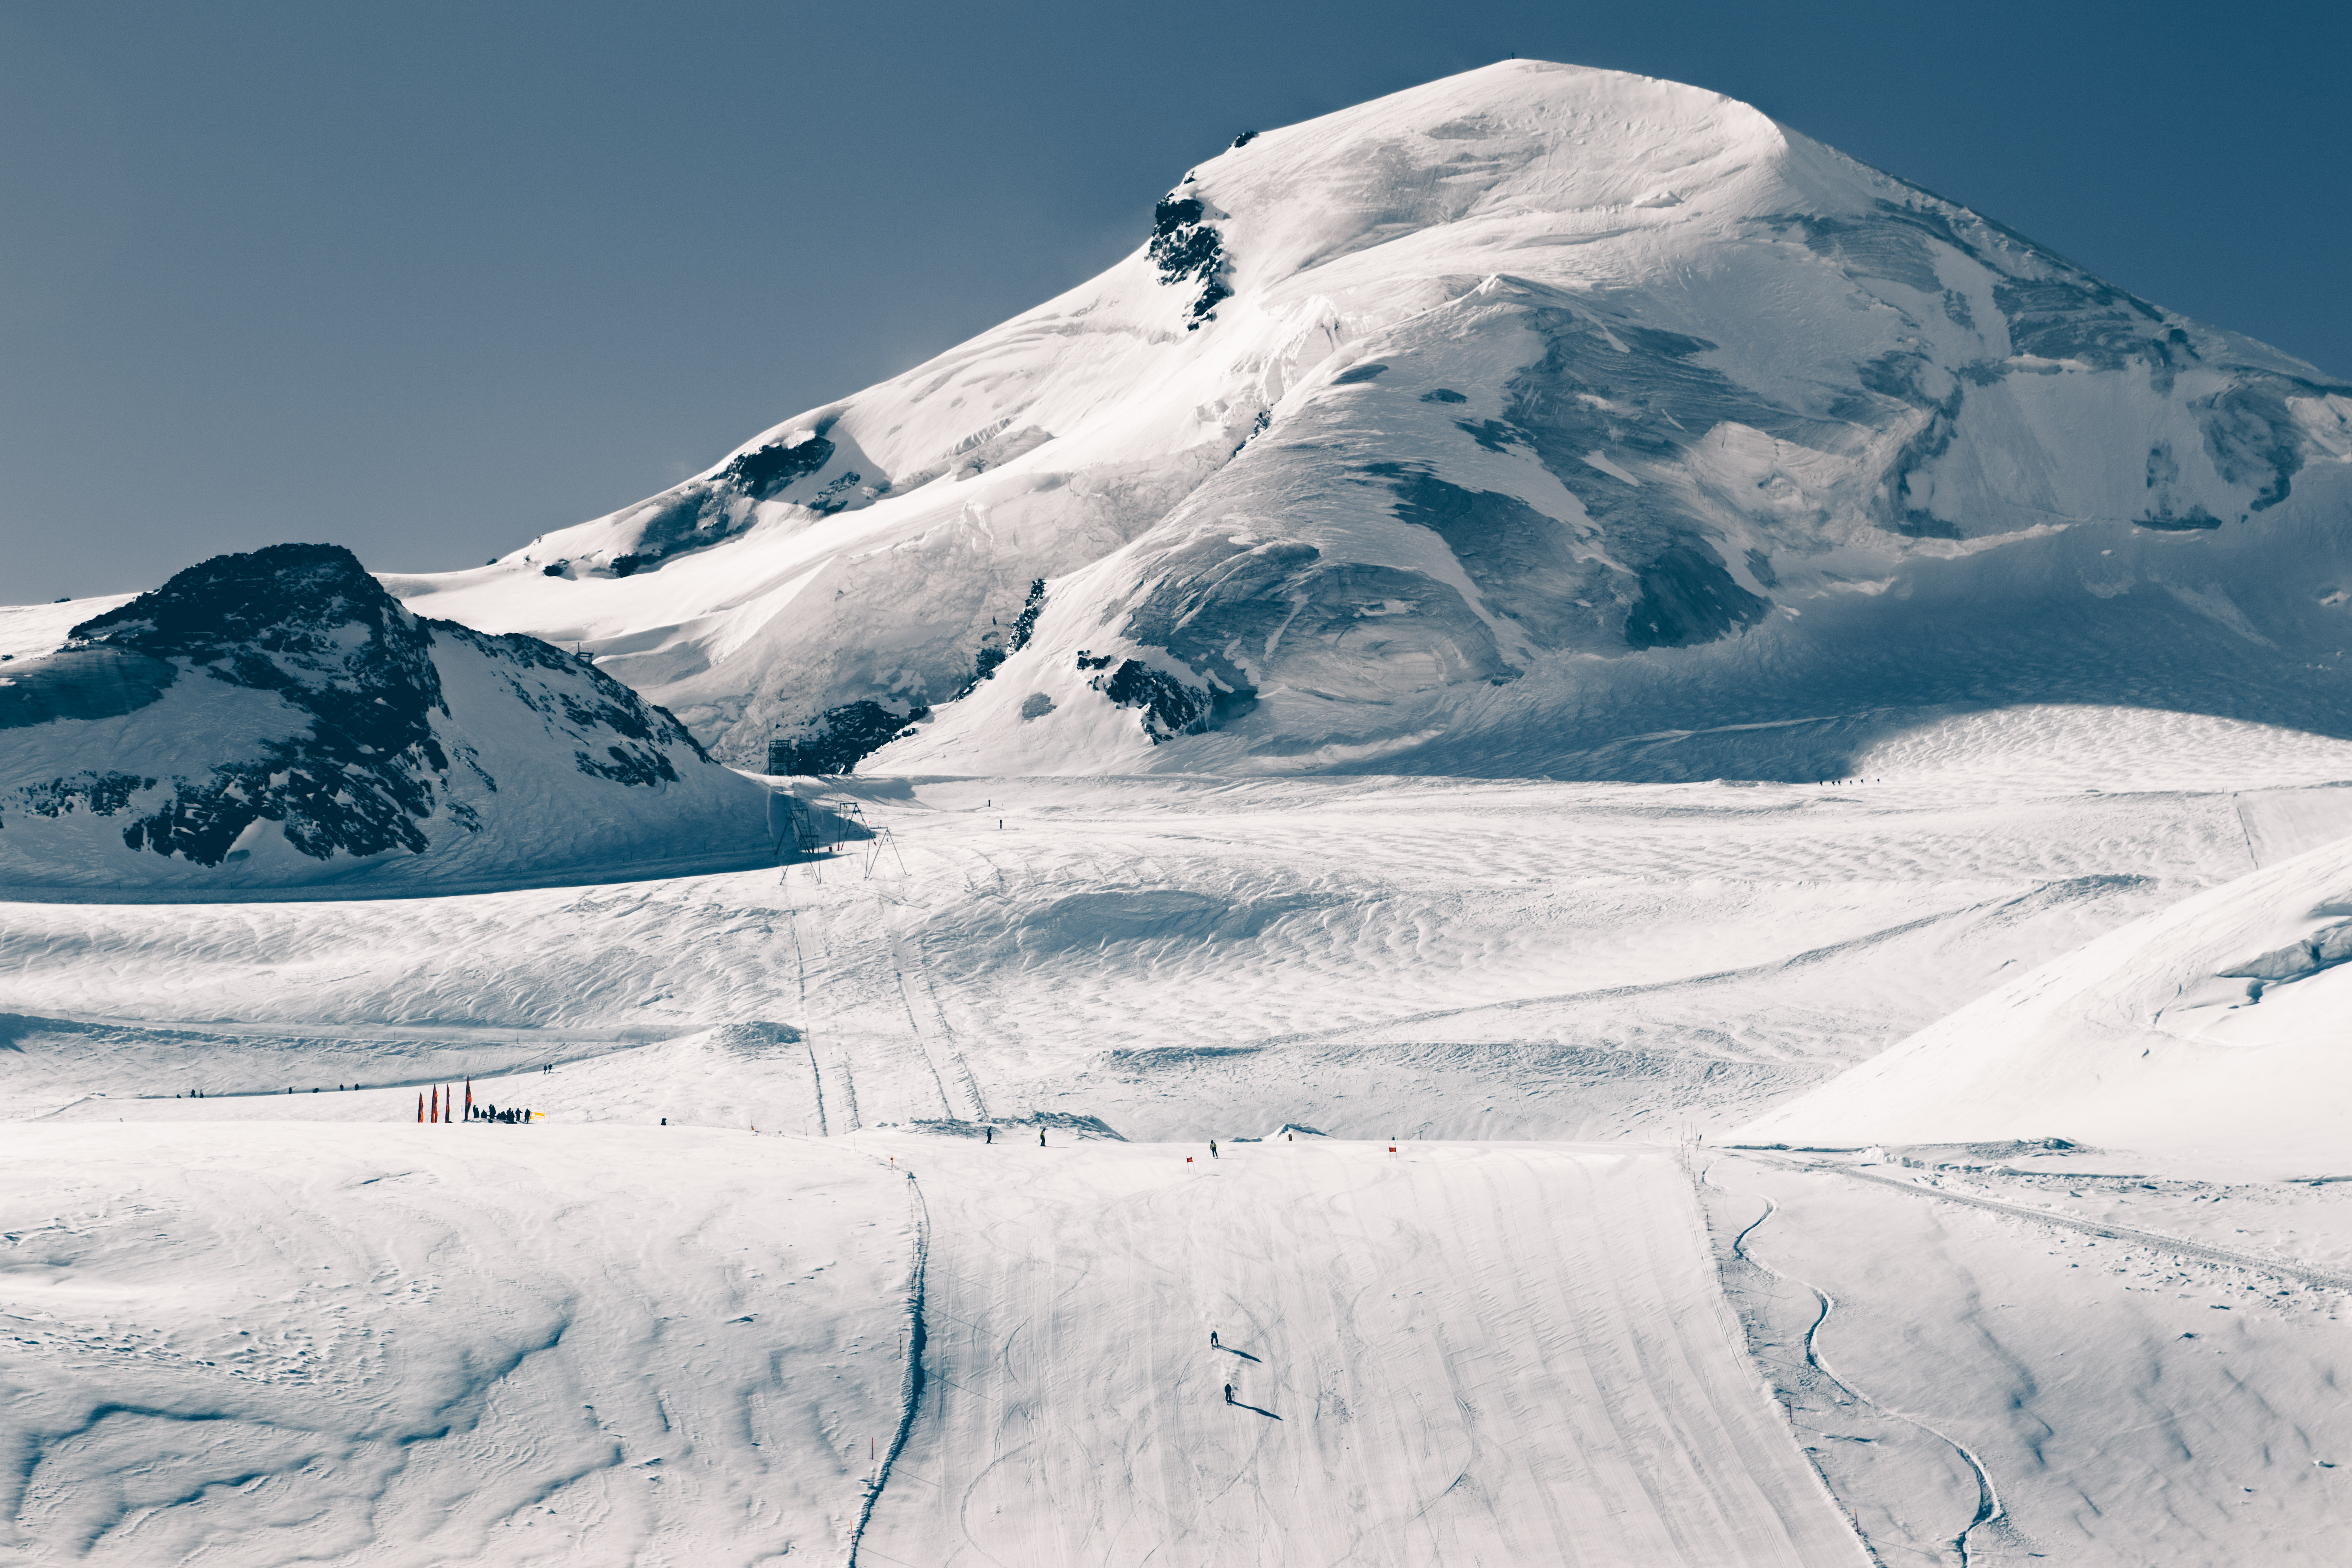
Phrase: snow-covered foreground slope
[1495,426]
[276,723]
[258,1342]
[248,1343]
[1504,1352]
[2224,1020]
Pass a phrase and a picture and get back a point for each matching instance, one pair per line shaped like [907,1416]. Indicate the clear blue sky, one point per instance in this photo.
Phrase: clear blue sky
[429,279]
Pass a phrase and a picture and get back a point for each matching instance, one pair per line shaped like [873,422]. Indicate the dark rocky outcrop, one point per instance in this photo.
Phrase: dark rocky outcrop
[1187,248]
[761,474]
[998,644]
[838,739]
[1169,707]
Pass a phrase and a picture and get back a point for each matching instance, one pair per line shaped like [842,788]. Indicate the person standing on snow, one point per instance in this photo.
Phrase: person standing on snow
[1041,1138]
[1229,1394]
[1212,1149]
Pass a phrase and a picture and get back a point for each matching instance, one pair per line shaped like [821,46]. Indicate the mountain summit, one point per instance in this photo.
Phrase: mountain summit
[1537,419]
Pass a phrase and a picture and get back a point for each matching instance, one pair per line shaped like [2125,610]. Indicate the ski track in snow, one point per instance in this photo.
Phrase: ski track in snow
[2204,1252]
[1989,1508]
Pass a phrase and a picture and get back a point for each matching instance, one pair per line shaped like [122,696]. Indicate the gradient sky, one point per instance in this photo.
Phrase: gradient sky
[430,278]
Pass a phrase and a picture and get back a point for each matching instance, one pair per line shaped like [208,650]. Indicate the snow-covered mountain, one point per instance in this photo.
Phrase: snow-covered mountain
[1482,427]
[278,721]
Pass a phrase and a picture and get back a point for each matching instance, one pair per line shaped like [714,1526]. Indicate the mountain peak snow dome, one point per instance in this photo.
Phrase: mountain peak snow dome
[1537,419]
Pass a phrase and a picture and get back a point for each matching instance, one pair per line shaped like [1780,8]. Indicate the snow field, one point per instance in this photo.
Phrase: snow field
[1180,956]
[250,1344]
[1440,958]
[1498,1353]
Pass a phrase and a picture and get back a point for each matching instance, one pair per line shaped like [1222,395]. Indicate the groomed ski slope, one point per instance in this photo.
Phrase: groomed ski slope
[1509,1354]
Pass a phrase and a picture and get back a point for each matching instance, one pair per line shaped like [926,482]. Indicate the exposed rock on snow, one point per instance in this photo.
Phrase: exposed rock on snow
[279,719]
[1488,425]
[832,742]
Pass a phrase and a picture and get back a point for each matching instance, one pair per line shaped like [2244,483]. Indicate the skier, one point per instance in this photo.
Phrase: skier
[988,1134]
[1041,1138]
[1212,1149]
[1212,1340]
[1229,1394]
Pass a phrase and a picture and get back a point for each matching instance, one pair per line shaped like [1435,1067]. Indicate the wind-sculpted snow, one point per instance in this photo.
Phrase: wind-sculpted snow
[277,720]
[441,1343]
[1456,958]
[1487,426]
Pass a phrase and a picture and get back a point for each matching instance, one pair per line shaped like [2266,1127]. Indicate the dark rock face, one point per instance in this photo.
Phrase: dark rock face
[1171,708]
[1187,248]
[762,473]
[1687,597]
[704,513]
[996,645]
[102,795]
[838,739]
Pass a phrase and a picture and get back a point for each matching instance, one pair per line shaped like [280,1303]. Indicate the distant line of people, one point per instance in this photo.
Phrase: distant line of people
[340,1088]
[510,1117]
